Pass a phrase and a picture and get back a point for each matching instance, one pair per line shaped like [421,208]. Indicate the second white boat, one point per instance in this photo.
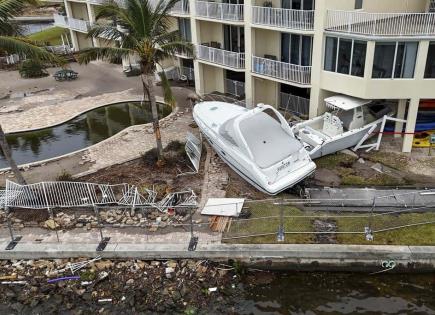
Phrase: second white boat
[258,144]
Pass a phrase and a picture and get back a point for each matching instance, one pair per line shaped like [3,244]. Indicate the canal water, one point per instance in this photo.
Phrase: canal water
[78,133]
[336,293]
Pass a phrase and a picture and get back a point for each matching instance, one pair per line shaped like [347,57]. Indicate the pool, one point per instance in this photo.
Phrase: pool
[78,133]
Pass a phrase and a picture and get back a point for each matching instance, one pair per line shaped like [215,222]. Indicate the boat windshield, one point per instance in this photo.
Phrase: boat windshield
[227,131]
[267,140]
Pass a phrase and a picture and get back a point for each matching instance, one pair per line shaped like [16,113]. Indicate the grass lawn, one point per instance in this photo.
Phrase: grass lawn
[265,220]
[50,35]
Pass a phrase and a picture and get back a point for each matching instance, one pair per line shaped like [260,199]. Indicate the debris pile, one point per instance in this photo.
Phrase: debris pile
[115,286]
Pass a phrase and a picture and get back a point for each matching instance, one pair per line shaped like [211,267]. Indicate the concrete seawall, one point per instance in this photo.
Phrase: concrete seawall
[325,257]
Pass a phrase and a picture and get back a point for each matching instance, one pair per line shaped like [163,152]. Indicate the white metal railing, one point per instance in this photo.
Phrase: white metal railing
[223,57]
[381,24]
[234,87]
[187,72]
[295,104]
[79,25]
[60,20]
[181,7]
[282,70]
[288,18]
[220,11]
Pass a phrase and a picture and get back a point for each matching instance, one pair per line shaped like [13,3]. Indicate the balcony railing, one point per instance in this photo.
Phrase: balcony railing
[79,25]
[294,104]
[282,70]
[60,20]
[219,56]
[220,11]
[181,7]
[381,24]
[279,17]
[187,72]
[234,87]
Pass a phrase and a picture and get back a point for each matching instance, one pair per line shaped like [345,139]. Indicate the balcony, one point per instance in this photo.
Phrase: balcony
[234,87]
[79,25]
[219,11]
[60,20]
[282,70]
[181,8]
[222,57]
[381,24]
[297,105]
[187,72]
[287,18]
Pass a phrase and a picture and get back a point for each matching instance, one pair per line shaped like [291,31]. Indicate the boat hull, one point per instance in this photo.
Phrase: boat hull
[240,165]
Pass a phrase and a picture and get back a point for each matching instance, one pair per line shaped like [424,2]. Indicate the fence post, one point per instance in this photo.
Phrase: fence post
[103,240]
[280,235]
[368,229]
[193,239]
[14,239]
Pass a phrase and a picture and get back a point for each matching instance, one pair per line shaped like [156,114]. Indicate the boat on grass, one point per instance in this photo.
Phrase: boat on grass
[350,120]
[258,144]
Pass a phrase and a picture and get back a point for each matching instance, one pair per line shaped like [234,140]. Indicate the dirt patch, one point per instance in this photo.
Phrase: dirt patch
[145,172]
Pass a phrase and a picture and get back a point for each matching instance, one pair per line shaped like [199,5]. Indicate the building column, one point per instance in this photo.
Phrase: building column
[195,32]
[401,109]
[410,124]
[72,33]
[91,15]
[249,42]
[414,103]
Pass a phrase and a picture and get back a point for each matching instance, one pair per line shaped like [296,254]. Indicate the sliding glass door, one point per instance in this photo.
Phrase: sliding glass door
[234,38]
[296,49]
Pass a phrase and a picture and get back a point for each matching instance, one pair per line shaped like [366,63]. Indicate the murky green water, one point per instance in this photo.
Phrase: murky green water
[338,293]
[78,133]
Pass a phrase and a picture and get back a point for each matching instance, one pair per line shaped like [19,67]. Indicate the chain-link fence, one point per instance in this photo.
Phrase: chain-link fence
[332,220]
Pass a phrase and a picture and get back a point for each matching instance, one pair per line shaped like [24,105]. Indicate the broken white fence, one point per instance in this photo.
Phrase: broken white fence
[194,150]
[48,195]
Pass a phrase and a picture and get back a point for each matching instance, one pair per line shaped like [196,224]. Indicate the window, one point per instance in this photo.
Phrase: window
[344,52]
[430,62]
[394,60]
[184,27]
[358,4]
[296,49]
[345,56]
[331,53]
[359,58]
[234,38]
[298,4]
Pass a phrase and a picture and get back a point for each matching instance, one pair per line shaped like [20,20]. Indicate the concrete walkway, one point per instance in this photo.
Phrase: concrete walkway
[363,258]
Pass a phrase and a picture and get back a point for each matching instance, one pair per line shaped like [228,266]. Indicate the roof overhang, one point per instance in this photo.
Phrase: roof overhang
[345,102]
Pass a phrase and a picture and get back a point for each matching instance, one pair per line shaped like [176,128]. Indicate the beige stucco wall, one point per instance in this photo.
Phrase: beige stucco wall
[83,41]
[267,42]
[210,31]
[394,5]
[212,78]
[265,91]
[79,11]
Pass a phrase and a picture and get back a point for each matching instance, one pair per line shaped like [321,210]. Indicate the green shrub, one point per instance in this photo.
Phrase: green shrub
[32,68]
[65,177]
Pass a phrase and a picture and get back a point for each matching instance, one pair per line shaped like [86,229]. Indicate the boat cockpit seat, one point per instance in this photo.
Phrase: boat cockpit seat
[332,125]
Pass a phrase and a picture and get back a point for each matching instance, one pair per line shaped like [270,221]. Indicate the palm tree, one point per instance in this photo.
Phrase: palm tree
[141,30]
[11,40]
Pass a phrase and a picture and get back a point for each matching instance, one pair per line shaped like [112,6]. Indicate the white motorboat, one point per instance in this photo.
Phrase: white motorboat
[258,144]
[350,121]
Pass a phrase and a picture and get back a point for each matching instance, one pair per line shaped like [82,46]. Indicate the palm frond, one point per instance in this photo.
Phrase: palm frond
[109,54]
[29,49]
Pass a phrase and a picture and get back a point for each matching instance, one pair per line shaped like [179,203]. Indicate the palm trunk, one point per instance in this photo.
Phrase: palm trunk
[8,156]
[149,89]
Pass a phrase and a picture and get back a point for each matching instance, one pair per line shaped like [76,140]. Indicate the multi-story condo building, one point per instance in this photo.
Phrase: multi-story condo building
[295,53]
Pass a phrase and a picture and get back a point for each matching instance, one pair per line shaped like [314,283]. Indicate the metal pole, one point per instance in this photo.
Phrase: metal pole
[11,232]
[280,234]
[97,213]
